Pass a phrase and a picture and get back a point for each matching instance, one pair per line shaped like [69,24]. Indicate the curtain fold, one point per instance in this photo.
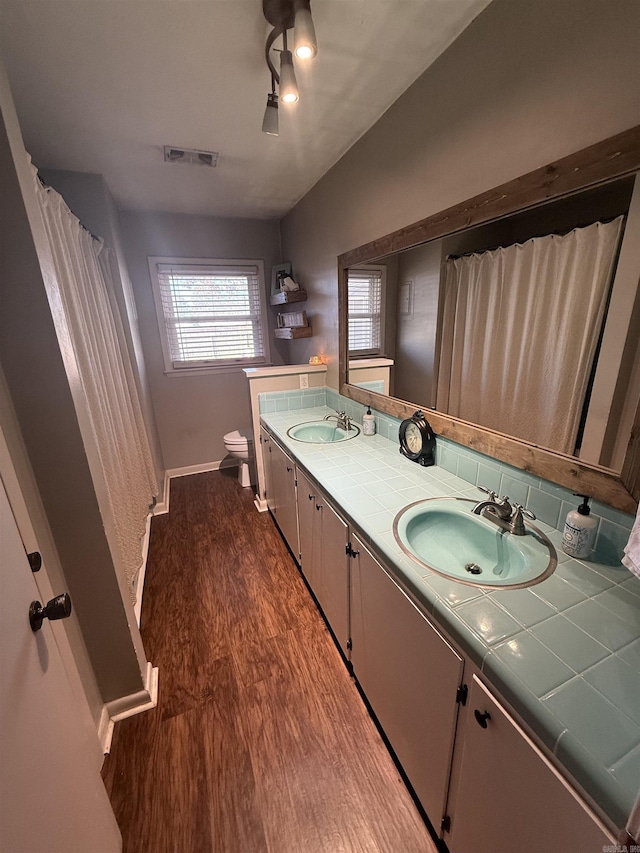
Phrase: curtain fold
[520,332]
[107,376]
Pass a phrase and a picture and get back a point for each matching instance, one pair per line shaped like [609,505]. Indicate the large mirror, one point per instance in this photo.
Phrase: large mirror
[515,318]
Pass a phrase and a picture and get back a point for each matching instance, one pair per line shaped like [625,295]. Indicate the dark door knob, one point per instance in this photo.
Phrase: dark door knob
[58,608]
[35,561]
[482,718]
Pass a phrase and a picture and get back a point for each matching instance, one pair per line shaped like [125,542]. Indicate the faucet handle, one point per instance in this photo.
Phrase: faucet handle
[516,522]
[492,495]
[526,512]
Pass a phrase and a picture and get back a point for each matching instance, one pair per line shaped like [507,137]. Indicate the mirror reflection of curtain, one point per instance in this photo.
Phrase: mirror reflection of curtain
[105,370]
[520,332]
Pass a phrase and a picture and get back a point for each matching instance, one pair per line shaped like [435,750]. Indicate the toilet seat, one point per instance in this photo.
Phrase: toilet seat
[237,438]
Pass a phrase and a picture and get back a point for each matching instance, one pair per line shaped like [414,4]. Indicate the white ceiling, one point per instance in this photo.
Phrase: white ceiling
[102,85]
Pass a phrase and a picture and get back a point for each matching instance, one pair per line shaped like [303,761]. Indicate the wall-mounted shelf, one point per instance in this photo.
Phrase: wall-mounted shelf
[293,333]
[287,296]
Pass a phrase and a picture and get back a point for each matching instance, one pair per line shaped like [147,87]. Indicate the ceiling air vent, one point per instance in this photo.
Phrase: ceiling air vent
[190,155]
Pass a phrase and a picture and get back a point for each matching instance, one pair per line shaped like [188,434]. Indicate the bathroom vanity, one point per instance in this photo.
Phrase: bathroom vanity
[475,708]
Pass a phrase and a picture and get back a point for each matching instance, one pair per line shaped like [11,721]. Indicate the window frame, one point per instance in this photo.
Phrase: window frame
[198,368]
[380,350]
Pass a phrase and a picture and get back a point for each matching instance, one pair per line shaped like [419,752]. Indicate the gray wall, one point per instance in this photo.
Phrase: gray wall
[88,196]
[525,84]
[194,412]
[43,390]
[416,332]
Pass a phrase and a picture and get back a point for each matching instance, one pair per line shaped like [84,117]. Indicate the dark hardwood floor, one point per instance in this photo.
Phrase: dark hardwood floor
[260,741]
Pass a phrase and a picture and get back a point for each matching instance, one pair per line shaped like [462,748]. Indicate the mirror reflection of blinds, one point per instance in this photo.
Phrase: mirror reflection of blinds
[212,314]
[365,296]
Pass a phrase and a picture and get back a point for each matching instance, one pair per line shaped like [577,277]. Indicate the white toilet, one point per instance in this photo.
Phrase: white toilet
[237,443]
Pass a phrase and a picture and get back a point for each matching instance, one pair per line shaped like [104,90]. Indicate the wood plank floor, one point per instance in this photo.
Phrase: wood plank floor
[260,741]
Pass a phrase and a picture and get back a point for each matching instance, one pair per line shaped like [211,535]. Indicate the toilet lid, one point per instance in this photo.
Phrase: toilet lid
[240,436]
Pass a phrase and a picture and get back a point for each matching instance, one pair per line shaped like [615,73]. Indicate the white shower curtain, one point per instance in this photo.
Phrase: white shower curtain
[106,373]
[520,330]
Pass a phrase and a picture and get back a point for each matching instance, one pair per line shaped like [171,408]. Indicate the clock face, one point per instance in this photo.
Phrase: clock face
[413,438]
[417,441]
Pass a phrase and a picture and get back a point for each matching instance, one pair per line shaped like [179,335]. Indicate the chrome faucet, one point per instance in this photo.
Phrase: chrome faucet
[500,511]
[343,419]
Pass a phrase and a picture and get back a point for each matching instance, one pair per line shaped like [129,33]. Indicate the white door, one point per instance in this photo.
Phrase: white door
[51,796]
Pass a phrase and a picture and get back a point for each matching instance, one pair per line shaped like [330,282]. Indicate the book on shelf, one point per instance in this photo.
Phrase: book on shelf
[292,320]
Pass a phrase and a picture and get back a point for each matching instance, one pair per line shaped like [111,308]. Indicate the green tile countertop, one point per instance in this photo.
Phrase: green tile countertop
[565,652]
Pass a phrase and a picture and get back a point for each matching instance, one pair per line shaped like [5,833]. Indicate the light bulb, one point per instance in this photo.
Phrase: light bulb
[288,86]
[305,46]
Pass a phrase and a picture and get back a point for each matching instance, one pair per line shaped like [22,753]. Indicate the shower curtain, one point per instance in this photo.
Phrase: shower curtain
[520,330]
[86,286]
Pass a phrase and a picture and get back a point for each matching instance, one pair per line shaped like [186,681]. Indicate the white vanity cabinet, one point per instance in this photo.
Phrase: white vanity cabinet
[280,478]
[323,556]
[484,784]
[508,796]
[410,675]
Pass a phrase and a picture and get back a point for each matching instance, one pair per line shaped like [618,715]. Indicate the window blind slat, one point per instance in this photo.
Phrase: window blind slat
[212,314]
[364,302]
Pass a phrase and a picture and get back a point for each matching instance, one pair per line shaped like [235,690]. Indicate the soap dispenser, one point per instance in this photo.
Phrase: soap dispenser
[579,530]
[368,423]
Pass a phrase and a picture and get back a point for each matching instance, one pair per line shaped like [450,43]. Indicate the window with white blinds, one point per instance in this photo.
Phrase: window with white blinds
[365,295]
[211,313]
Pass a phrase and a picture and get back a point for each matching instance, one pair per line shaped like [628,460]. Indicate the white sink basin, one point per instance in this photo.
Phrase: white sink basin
[444,535]
[321,432]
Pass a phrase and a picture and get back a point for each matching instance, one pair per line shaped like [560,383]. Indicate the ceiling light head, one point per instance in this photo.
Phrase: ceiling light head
[305,46]
[288,86]
[270,120]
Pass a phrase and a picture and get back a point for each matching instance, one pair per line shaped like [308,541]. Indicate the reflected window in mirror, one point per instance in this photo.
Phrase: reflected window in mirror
[366,299]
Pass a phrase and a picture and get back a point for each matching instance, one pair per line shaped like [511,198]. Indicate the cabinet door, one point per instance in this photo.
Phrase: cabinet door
[284,507]
[323,556]
[332,570]
[409,674]
[509,796]
[309,520]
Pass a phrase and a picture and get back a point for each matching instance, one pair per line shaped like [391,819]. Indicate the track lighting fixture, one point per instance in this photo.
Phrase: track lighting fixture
[284,15]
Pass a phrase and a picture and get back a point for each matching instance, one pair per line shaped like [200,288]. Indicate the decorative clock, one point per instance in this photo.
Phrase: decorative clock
[417,439]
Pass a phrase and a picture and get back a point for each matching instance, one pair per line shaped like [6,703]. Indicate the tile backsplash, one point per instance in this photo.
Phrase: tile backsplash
[549,502]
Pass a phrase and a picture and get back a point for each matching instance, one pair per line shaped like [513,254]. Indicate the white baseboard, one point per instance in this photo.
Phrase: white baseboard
[261,504]
[162,506]
[127,706]
[199,469]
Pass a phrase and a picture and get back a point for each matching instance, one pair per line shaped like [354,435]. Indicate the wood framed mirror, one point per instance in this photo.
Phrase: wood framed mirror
[615,158]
